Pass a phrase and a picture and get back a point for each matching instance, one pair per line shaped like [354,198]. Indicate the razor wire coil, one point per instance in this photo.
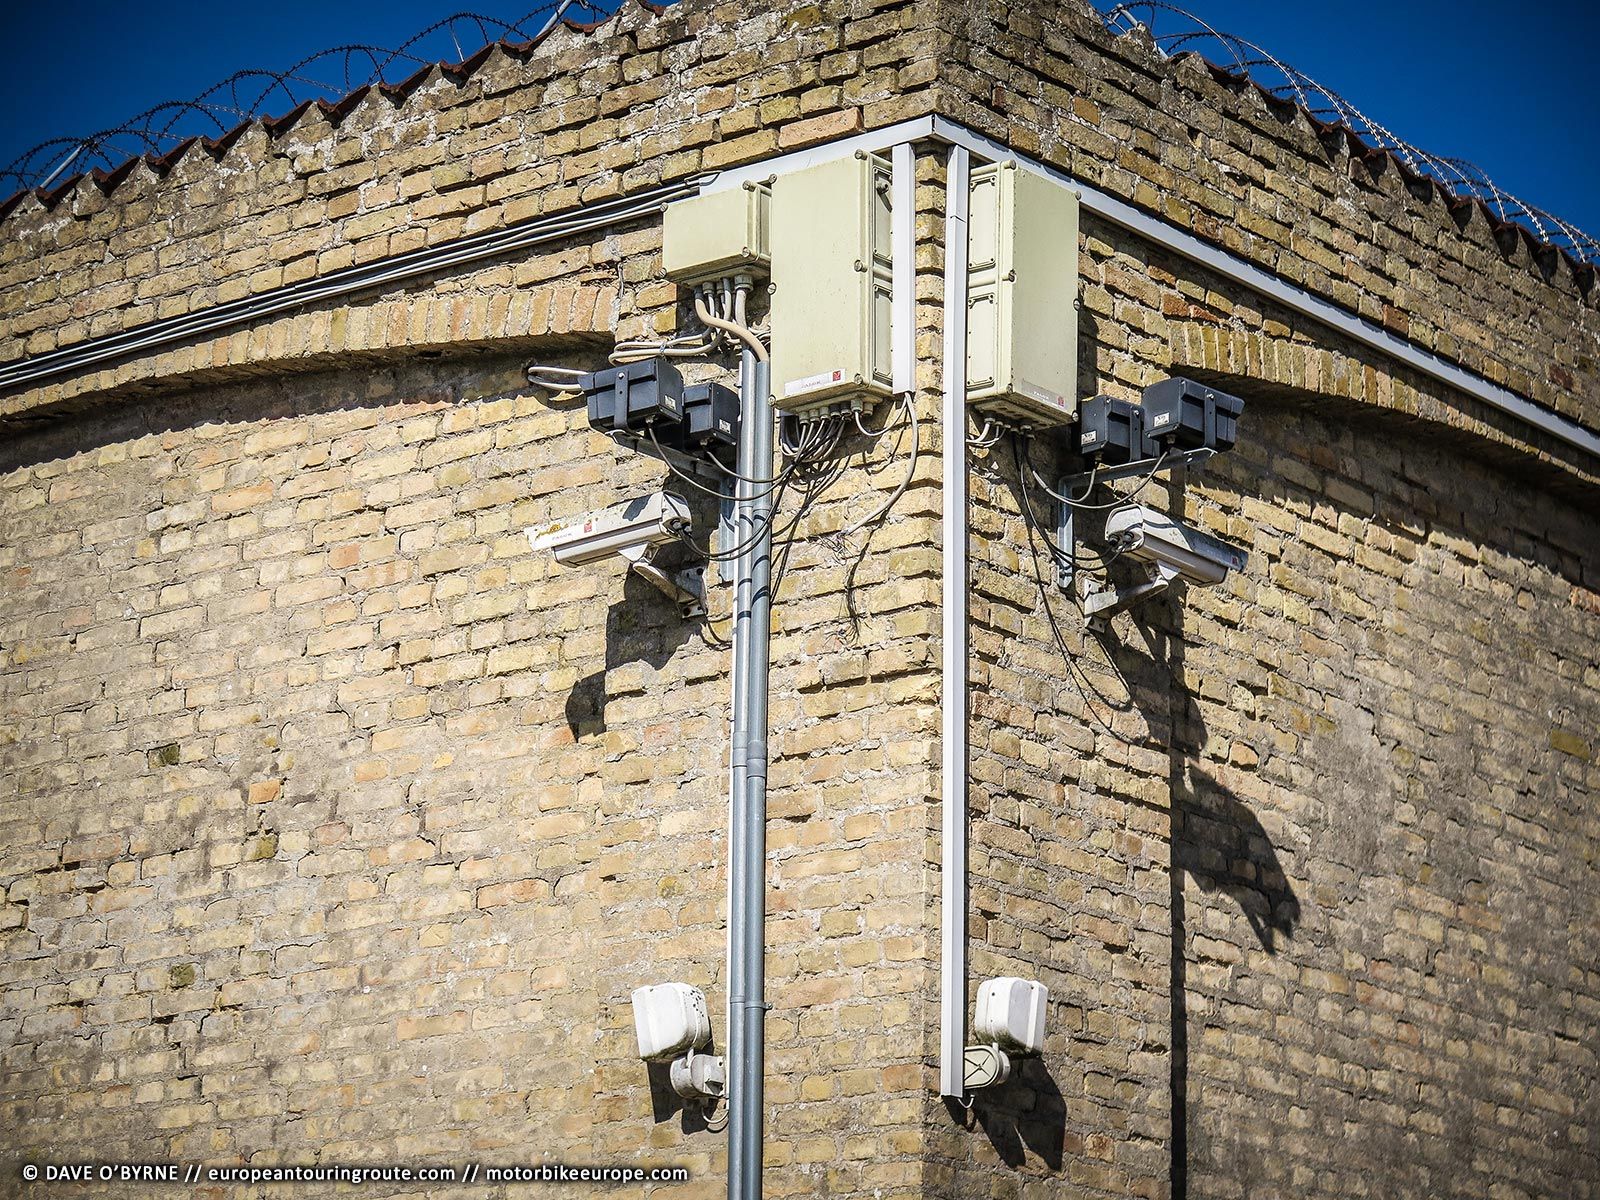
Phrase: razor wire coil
[330,75]
[1186,33]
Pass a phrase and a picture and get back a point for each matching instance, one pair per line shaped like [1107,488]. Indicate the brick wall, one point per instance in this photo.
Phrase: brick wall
[335,823]
[1307,859]
[1262,180]
[340,824]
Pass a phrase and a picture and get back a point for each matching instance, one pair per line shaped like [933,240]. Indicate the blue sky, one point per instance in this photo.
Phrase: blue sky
[1512,89]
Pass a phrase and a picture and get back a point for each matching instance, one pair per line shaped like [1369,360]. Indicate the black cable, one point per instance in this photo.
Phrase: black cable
[1080,677]
[710,491]
[1061,555]
[813,494]
[729,555]
[1074,502]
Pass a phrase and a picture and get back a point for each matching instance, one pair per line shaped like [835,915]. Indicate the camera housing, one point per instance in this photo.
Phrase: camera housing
[1010,1020]
[1011,1014]
[630,395]
[1187,415]
[671,1022]
[1173,549]
[670,1019]
[627,529]
[1110,431]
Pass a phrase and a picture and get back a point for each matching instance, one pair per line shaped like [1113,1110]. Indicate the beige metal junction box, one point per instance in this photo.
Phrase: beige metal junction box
[833,277]
[717,235]
[1022,288]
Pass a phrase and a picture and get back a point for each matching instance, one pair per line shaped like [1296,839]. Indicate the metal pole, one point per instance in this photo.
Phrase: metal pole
[748,843]
[738,534]
[953,703]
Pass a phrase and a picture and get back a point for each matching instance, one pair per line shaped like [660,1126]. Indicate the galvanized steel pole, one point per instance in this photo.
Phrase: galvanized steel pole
[747,851]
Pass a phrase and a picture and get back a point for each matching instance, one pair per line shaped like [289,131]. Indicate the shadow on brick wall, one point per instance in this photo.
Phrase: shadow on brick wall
[1386,536]
[642,627]
[1215,837]
[666,1103]
[1224,848]
[1026,1113]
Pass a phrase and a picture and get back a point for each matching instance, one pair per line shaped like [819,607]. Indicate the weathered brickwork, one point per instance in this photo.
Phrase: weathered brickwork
[584,116]
[379,816]
[335,825]
[1328,827]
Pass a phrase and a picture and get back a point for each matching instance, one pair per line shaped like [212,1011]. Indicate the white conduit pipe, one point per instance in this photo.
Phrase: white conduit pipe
[953,703]
[903,238]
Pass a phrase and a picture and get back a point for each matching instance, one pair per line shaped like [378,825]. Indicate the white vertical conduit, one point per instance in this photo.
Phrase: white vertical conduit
[903,242]
[953,796]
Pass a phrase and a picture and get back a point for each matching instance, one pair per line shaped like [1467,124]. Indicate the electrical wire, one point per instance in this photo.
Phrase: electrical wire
[1062,556]
[988,436]
[911,470]
[761,531]
[891,424]
[1080,678]
[564,383]
[742,332]
[776,482]
[815,489]
[1120,497]
[732,474]
[818,484]
[694,345]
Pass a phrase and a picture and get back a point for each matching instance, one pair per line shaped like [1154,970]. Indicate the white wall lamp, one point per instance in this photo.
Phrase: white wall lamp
[1010,1021]
[672,1022]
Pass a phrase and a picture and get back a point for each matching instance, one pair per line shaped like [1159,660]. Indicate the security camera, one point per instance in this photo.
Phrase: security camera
[669,1018]
[633,530]
[1172,547]
[627,529]
[1011,1013]
[671,1022]
[1009,1020]
[1171,550]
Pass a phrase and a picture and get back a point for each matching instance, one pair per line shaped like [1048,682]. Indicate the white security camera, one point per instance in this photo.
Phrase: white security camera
[628,529]
[671,1020]
[1173,548]
[633,530]
[1170,549]
[1010,1019]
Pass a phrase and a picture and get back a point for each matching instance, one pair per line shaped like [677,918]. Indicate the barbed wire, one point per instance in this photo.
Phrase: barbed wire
[333,75]
[329,75]
[1242,58]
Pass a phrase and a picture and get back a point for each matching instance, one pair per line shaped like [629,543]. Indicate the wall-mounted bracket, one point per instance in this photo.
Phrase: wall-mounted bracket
[687,587]
[689,464]
[699,1077]
[1100,606]
[984,1066]
[1083,483]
